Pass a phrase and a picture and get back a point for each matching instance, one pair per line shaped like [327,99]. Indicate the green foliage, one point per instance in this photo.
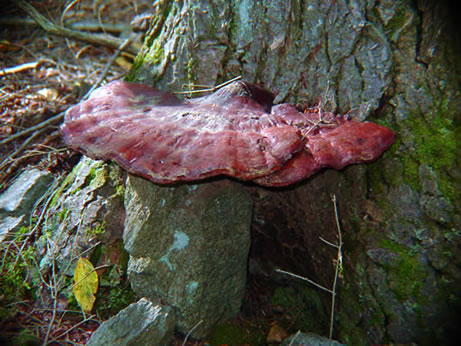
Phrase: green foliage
[114,292]
[120,190]
[96,230]
[117,179]
[113,299]
[62,214]
[190,70]
[25,337]
[14,273]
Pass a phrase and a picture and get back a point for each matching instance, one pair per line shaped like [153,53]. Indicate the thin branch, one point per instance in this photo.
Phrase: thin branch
[190,331]
[67,331]
[94,270]
[109,63]
[54,295]
[209,89]
[10,158]
[53,29]
[59,116]
[33,128]
[294,338]
[338,266]
[328,243]
[305,279]
[82,26]
[19,68]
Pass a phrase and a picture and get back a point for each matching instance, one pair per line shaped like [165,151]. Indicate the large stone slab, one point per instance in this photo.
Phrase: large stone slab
[188,247]
[21,196]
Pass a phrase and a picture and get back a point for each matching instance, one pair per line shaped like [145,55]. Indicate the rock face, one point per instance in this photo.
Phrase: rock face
[188,247]
[87,208]
[141,323]
[17,202]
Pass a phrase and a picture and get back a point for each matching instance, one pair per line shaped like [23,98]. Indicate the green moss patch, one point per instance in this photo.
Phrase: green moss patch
[406,277]
[304,304]
[239,333]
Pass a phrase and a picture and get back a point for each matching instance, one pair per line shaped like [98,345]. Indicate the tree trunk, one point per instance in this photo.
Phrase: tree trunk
[396,63]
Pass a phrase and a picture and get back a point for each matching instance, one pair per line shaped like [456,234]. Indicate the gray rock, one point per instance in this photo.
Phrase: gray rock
[87,209]
[309,339]
[141,323]
[17,202]
[21,196]
[188,246]
[9,224]
[382,257]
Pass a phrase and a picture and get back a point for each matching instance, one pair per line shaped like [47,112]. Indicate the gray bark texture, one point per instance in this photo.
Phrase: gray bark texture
[393,62]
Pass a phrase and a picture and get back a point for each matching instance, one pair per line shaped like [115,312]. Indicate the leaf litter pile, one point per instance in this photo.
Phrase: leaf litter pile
[41,75]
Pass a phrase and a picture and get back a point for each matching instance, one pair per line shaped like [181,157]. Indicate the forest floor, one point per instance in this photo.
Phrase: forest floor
[42,75]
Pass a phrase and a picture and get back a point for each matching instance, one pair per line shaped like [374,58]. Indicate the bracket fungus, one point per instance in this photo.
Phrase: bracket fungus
[236,131]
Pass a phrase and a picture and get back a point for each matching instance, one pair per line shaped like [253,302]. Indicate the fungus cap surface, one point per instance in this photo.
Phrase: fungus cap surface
[235,131]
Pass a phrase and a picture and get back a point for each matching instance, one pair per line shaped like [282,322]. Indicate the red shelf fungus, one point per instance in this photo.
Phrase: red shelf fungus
[235,131]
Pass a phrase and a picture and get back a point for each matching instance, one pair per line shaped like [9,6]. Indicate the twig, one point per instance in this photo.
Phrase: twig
[54,296]
[59,116]
[53,29]
[190,332]
[209,89]
[49,197]
[33,128]
[19,68]
[83,26]
[17,151]
[339,261]
[88,274]
[305,279]
[72,328]
[294,337]
[109,64]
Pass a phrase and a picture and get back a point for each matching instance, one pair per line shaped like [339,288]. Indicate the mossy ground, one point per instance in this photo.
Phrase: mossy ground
[15,270]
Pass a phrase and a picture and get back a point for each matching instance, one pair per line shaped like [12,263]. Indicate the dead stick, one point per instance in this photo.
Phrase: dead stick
[19,68]
[51,28]
[33,128]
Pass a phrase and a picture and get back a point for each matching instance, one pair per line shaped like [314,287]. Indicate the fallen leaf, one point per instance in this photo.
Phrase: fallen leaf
[276,334]
[85,284]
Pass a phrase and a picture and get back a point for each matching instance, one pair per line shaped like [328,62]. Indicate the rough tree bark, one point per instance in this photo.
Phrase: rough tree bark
[396,63]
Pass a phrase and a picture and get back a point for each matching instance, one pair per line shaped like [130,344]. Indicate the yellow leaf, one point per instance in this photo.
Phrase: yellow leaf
[85,284]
